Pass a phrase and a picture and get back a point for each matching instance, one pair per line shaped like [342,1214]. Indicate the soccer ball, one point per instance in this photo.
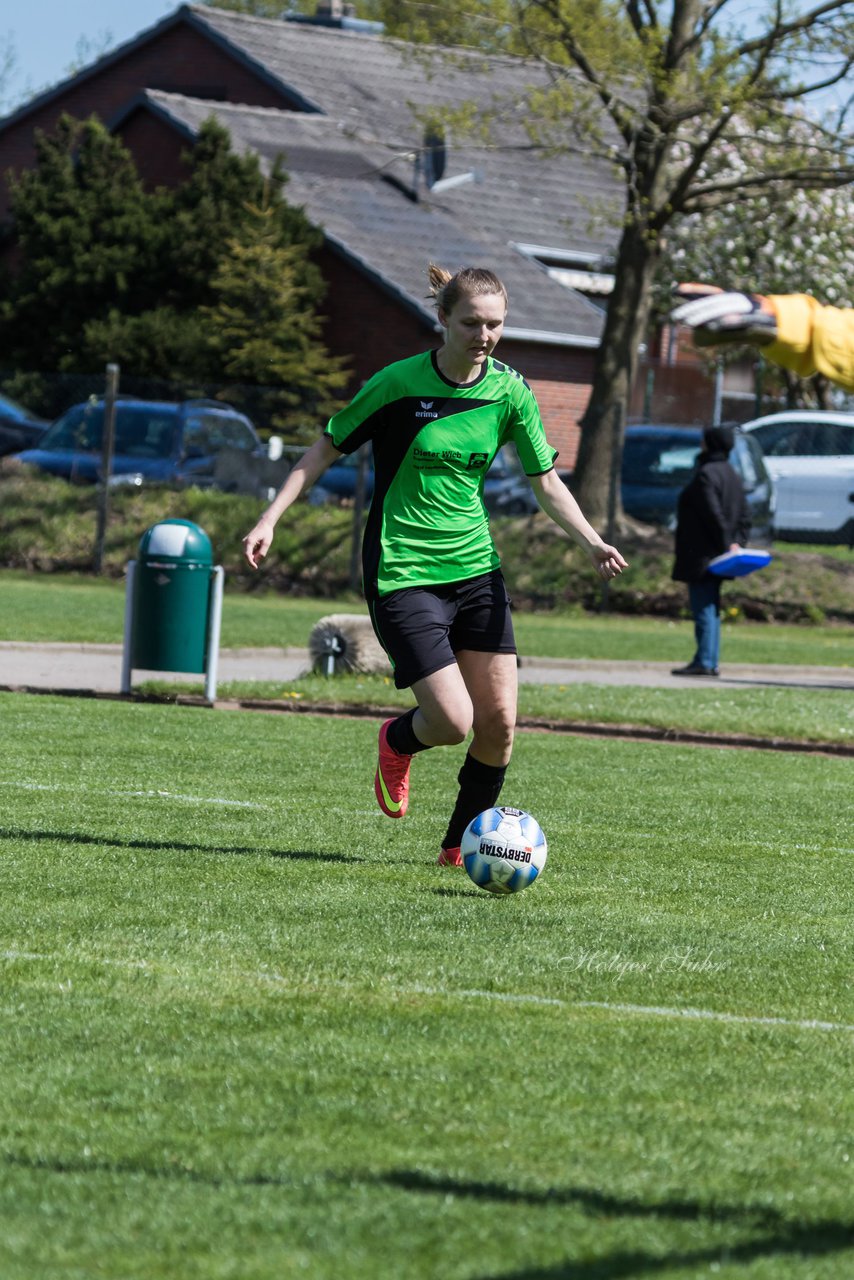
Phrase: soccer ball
[503,850]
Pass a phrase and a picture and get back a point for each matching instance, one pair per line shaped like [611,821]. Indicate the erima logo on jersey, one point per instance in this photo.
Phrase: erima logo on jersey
[477,460]
[425,410]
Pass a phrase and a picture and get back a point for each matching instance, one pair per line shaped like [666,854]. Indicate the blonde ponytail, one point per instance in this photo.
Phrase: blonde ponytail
[438,277]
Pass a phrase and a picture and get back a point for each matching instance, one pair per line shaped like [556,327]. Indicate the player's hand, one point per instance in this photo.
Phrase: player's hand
[256,544]
[717,317]
[607,561]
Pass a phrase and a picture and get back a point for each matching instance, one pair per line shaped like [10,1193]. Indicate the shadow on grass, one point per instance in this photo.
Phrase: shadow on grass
[130,1168]
[445,892]
[77,837]
[776,1236]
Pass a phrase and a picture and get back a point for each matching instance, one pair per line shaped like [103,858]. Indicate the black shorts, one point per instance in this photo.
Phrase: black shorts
[422,629]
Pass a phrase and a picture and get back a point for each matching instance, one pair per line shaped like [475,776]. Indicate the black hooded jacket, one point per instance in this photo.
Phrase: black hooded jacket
[711,514]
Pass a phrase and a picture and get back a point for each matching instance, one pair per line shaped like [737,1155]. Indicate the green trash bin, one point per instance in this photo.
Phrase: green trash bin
[172,598]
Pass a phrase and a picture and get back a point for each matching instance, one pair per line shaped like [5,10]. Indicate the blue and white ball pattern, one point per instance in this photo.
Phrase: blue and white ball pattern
[503,850]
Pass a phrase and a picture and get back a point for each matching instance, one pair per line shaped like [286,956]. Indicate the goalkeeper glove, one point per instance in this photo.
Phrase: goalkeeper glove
[717,317]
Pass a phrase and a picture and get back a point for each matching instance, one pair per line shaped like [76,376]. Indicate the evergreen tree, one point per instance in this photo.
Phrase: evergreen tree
[88,241]
[214,278]
[213,206]
[161,342]
[264,328]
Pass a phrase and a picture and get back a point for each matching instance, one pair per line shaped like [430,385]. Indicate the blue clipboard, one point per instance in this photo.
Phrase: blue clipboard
[737,564]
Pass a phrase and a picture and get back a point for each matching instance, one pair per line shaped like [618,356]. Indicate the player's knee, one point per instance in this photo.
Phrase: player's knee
[496,730]
[456,730]
[451,727]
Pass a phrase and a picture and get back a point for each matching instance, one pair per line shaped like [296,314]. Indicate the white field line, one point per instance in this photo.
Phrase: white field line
[686,1013]
[644,1010]
[713,1015]
[362,813]
[71,789]
[133,795]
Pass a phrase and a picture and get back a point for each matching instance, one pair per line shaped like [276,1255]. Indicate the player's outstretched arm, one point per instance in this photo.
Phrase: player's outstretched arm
[310,467]
[718,317]
[558,503]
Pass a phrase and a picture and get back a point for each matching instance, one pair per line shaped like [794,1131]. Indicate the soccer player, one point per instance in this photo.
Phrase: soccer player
[431,576]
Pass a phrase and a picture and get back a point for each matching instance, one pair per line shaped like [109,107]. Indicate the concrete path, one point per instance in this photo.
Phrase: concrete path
[97,668]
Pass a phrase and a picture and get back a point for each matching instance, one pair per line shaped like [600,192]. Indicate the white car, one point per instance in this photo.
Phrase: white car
[810,456]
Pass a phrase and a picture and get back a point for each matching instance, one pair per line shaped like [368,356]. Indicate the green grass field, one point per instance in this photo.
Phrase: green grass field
[250,1031]
[81,610]
[800,714]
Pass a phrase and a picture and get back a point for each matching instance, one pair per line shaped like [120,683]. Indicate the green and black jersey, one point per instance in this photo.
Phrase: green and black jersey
[433,442]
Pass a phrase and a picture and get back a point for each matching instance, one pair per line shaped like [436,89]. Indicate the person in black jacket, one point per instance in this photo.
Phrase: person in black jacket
[712,517]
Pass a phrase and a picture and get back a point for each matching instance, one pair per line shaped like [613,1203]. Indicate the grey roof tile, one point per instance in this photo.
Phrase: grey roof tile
[338,181]
[376,92]
[377,87]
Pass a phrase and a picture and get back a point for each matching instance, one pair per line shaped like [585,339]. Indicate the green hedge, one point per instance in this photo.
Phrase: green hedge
[49,526]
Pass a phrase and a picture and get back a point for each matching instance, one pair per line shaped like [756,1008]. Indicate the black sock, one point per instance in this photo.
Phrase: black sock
[400,735]
[480,787]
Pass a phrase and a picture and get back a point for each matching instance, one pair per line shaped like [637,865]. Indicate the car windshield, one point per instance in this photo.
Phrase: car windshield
[11,409]
[805,439]
[664,463]
[142,431]
[746,457]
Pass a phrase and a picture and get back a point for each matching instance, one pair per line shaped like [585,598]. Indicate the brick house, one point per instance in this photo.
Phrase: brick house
[349,113]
